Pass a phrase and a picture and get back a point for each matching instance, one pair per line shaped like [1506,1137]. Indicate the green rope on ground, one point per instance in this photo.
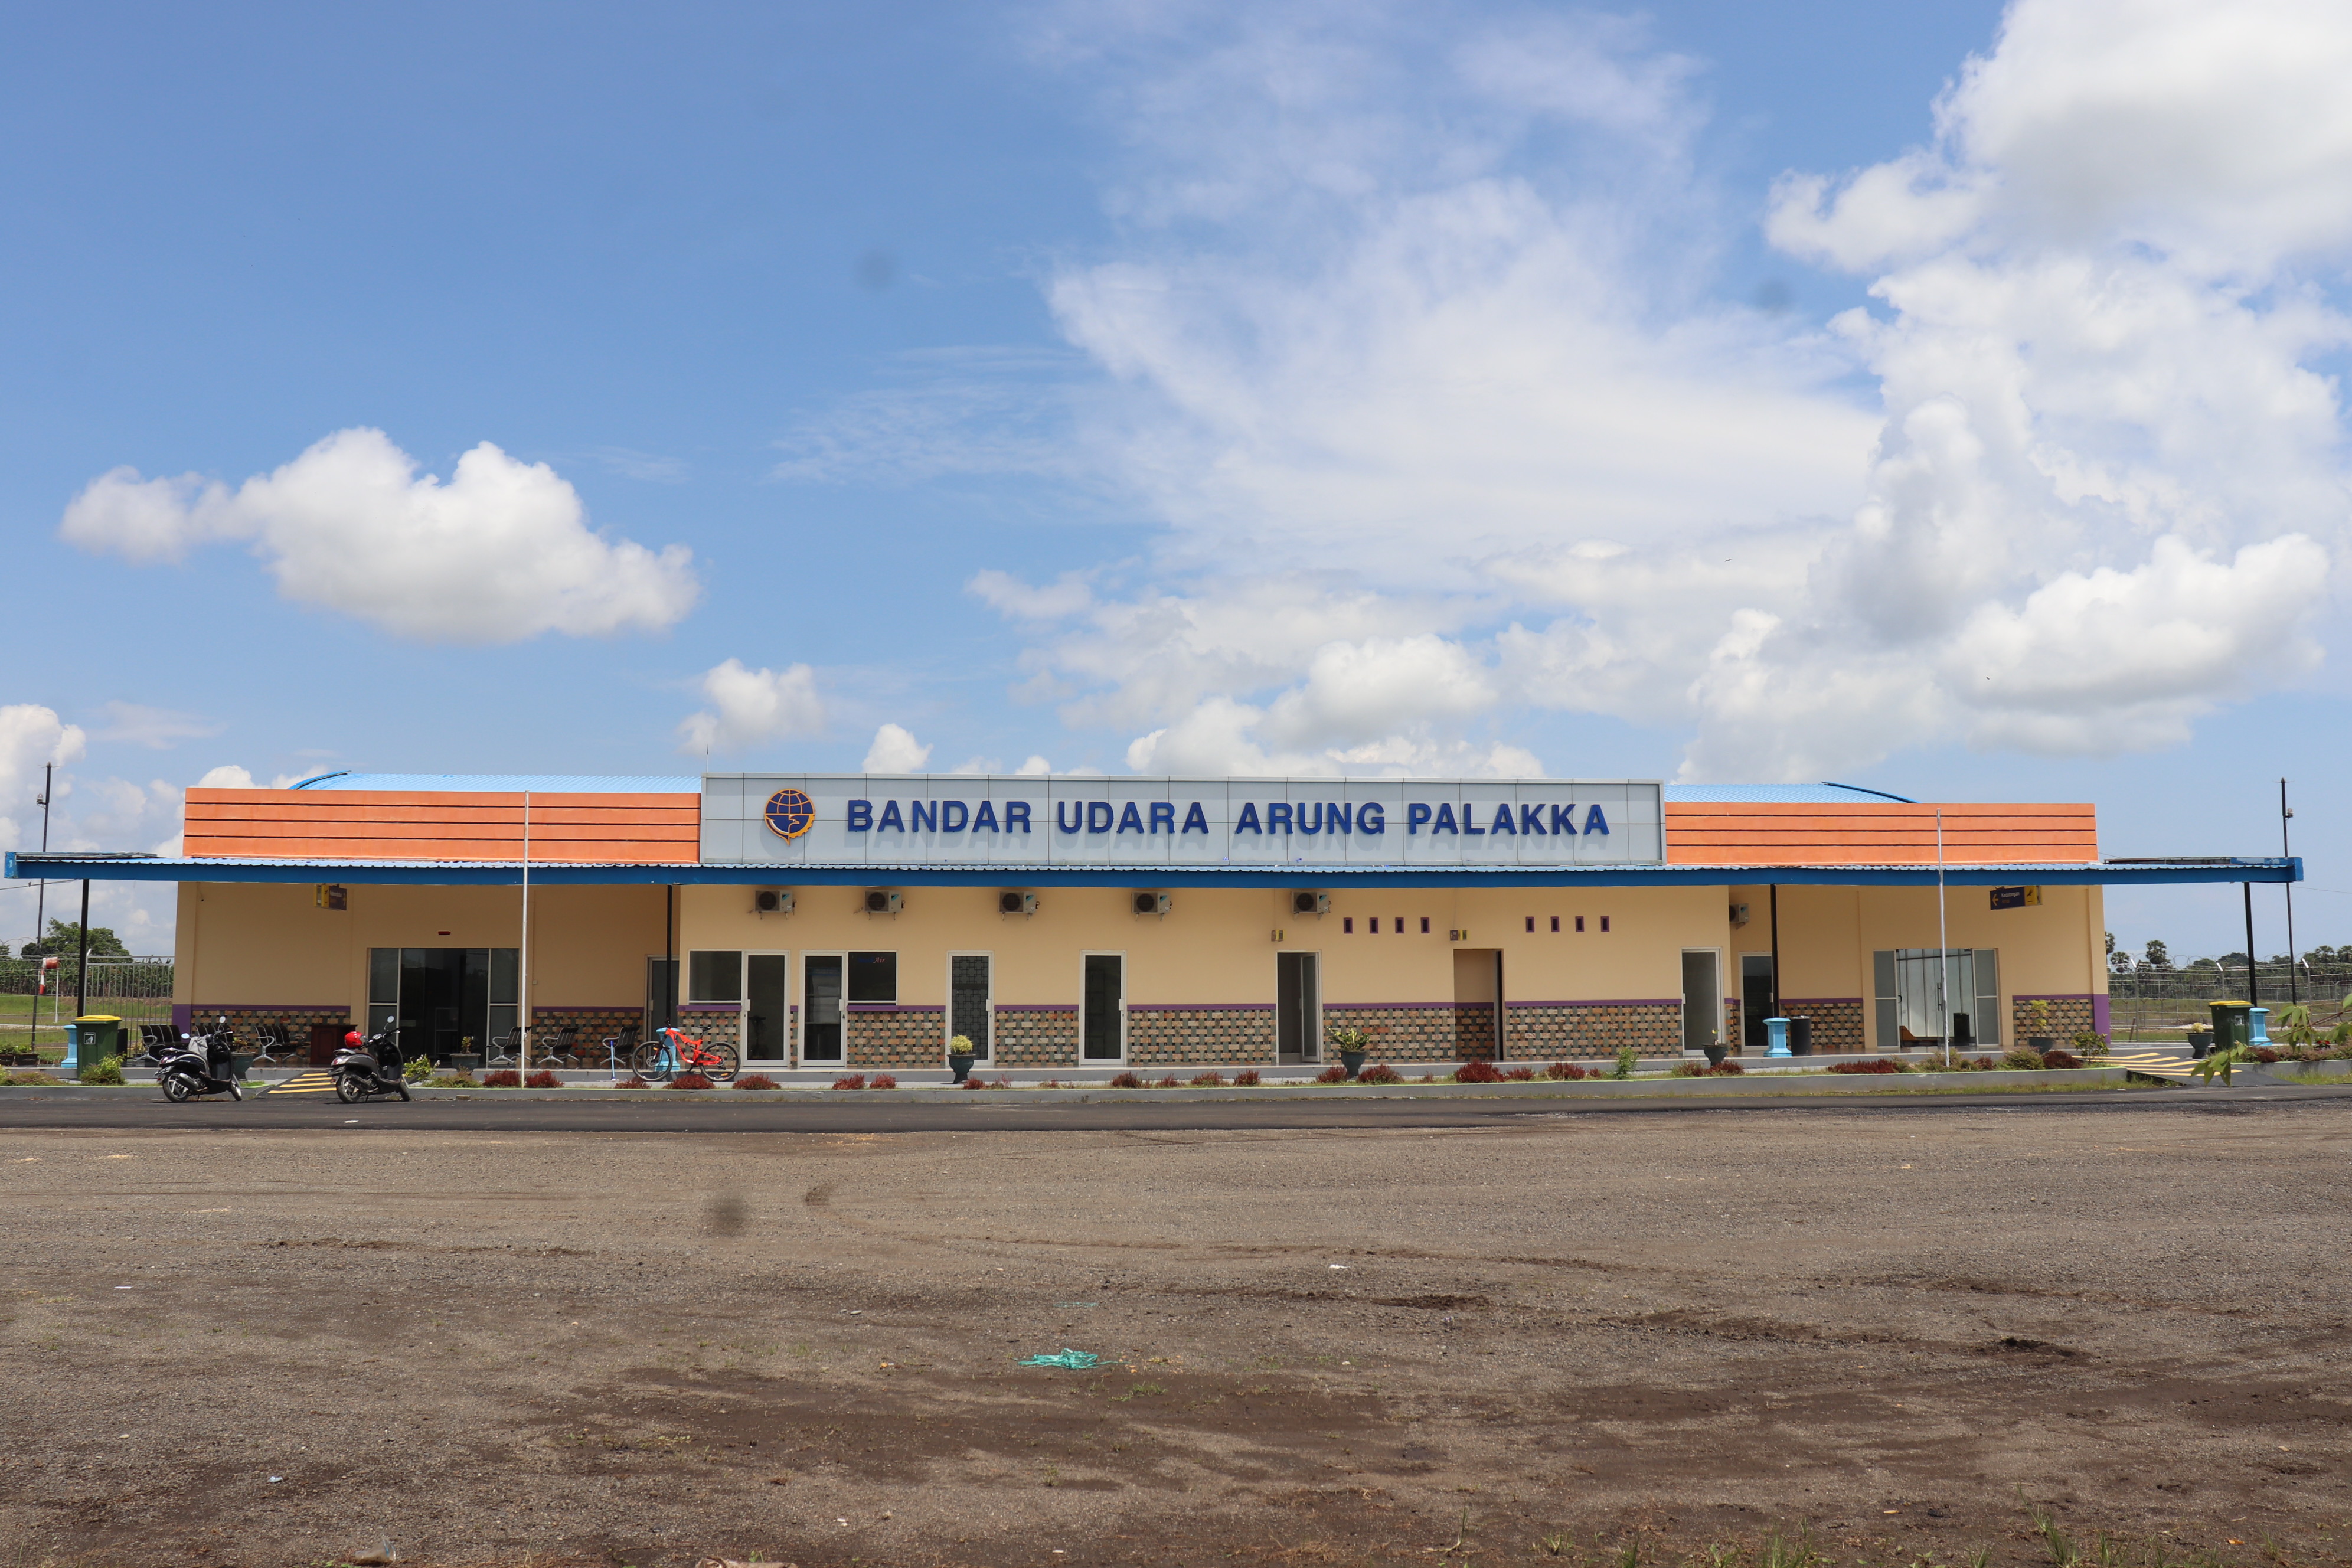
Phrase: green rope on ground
[1076,1361]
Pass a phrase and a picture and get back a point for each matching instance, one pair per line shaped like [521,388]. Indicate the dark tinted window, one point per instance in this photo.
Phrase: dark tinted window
[873,977]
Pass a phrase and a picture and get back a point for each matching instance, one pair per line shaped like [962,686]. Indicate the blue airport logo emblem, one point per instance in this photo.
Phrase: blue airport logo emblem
[791,812]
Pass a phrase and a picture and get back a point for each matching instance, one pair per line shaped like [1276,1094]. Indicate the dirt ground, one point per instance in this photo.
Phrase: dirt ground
[1885,1334]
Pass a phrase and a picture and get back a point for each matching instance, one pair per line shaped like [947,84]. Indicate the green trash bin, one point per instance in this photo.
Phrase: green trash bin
[2234,1024]
[93,1037]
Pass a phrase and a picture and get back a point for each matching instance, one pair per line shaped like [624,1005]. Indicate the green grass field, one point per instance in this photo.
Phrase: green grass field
[18,1021]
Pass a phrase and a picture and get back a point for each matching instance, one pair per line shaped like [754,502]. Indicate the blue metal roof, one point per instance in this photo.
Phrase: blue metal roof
[510,784]
[508,873]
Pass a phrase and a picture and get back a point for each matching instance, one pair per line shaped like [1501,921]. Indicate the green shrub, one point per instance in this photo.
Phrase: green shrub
[417,1069]
[1626,1057]
[2090,1045]
[105,1070]
[25,1077]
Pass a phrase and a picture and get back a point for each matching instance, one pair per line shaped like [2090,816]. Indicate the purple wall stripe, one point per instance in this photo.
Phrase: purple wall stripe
[1199,1006]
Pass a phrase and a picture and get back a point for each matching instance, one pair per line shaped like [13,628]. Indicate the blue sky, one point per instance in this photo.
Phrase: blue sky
[1184,387]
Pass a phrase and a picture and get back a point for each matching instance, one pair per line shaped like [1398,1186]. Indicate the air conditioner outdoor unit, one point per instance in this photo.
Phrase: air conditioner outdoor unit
[1012,903]
[772,901]
[882,901]
[1151,903]
[1310,903]
[1739,914]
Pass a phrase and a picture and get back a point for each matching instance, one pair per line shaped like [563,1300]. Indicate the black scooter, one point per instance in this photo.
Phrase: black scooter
[198,1065]
[361,1073]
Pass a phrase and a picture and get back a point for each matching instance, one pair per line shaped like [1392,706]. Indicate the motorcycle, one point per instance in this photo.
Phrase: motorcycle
[360,1068]
[198,1065]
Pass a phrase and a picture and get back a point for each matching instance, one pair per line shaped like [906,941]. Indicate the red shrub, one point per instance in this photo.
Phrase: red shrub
[1870,1064]
[2069,1060]
[1248,1078]
[1564,1071]
[1333,1075]
[854,1080]
[1726,1069]
[542,1078]
[975,1083]
[1476,1072]
[1380,1072]
[506,1078]
[1167,1082]
[1520,1075]
[1208,1080]
[1126,1081]
[883,1080]
[2262,1054]
[691,1080]
[755,1080]
[633,1081]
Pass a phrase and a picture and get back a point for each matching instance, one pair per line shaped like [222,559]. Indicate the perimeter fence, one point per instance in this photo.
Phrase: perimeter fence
[35,1004]
[2151,1003]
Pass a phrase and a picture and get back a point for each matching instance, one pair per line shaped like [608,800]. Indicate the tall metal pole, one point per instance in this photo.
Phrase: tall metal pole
[522,953]
[1943,942]
[2286,814]
[41,897]
[2253,982]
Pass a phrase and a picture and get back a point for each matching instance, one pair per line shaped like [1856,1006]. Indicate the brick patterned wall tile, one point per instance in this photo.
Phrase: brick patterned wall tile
[1200,1036]
[1547,1031]
[895,1037]
[2068,1015]
[1036,1038]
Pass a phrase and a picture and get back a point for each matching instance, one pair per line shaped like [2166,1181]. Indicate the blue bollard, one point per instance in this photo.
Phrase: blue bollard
[1775,1031]
[72,1064]
[2258,1029]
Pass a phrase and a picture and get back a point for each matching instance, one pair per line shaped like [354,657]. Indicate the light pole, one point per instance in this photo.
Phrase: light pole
[41,893]
[2286,814]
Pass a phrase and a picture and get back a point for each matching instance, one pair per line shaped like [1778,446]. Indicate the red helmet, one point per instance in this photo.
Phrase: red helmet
[351,1038]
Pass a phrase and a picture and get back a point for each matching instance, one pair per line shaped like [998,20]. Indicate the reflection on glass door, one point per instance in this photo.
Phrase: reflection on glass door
[1703,998]
[767,1028]
[1103,1019]
[661,994]
[969,1010]
[1297,1007]
[821,999]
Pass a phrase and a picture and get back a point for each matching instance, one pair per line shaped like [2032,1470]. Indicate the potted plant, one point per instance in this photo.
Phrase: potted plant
[2037,1034]
[1351,1044]
[961,1056]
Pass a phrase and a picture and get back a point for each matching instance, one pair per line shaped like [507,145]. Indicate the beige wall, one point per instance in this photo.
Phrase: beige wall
[261,944]
[267,944]
[1828,935]
[1218,945]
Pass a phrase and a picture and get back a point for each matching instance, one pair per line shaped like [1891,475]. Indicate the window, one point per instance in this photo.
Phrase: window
[873,977]
[1919,987]
[1347,925]
[1604,922]
[969,1009]
[1425,925]
[714,976]
[1555,922]
[1579,922]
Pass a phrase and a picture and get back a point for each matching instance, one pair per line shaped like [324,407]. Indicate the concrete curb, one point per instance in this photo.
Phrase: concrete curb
[1648,1086]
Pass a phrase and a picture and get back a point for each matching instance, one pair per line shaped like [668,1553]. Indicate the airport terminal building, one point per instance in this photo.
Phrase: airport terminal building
[861,922]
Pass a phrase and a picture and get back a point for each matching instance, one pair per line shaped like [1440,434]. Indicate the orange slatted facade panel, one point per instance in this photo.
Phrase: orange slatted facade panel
[368,824]
[1875,834]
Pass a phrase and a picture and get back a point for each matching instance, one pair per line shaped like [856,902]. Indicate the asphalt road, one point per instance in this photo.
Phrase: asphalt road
[518,1115]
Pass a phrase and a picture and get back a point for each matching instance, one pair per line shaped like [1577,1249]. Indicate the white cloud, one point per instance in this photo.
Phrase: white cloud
[895,750]
[1410,344]
[499,553]
[158,728]
[752,707]
[30,736]
[1035,767]
[228,775]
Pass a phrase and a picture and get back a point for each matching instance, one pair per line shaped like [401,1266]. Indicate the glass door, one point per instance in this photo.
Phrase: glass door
[661,994]
[1297,1007]
[1703,999]
[969,1012]
[1102,1023]
[1755,998]
[821,999]
[767,1023]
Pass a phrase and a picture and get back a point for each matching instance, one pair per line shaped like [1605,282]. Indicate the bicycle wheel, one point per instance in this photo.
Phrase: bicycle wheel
[651,1061]
[726,1061]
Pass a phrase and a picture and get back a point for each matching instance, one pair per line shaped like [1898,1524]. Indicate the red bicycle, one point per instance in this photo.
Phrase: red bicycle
[670,1053]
